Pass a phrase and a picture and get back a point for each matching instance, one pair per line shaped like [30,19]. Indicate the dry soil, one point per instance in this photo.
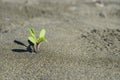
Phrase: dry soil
[83,40]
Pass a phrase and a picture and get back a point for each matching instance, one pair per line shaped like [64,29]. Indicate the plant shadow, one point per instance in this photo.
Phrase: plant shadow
[28,48]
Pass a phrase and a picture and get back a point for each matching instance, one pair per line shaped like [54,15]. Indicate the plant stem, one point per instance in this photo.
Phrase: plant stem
[36,48]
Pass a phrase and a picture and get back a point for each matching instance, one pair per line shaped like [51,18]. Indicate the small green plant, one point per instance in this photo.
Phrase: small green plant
[36,41]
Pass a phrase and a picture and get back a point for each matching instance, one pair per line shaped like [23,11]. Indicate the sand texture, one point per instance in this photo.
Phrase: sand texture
[83,40]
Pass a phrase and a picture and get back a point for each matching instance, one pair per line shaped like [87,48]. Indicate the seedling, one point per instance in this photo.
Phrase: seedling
[36,41]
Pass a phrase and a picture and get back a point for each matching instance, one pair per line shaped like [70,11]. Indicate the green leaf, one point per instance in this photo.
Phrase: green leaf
[42,33]
[32,40]
[32,32]
[41,40]
[45,40]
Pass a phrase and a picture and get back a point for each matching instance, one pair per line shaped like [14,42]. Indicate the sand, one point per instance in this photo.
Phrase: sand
[83,40]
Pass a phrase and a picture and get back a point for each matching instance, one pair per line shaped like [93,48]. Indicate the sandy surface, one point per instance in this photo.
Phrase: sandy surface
[84,40]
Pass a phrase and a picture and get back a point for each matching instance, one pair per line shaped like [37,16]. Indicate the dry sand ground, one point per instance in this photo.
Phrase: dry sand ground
[84,40]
